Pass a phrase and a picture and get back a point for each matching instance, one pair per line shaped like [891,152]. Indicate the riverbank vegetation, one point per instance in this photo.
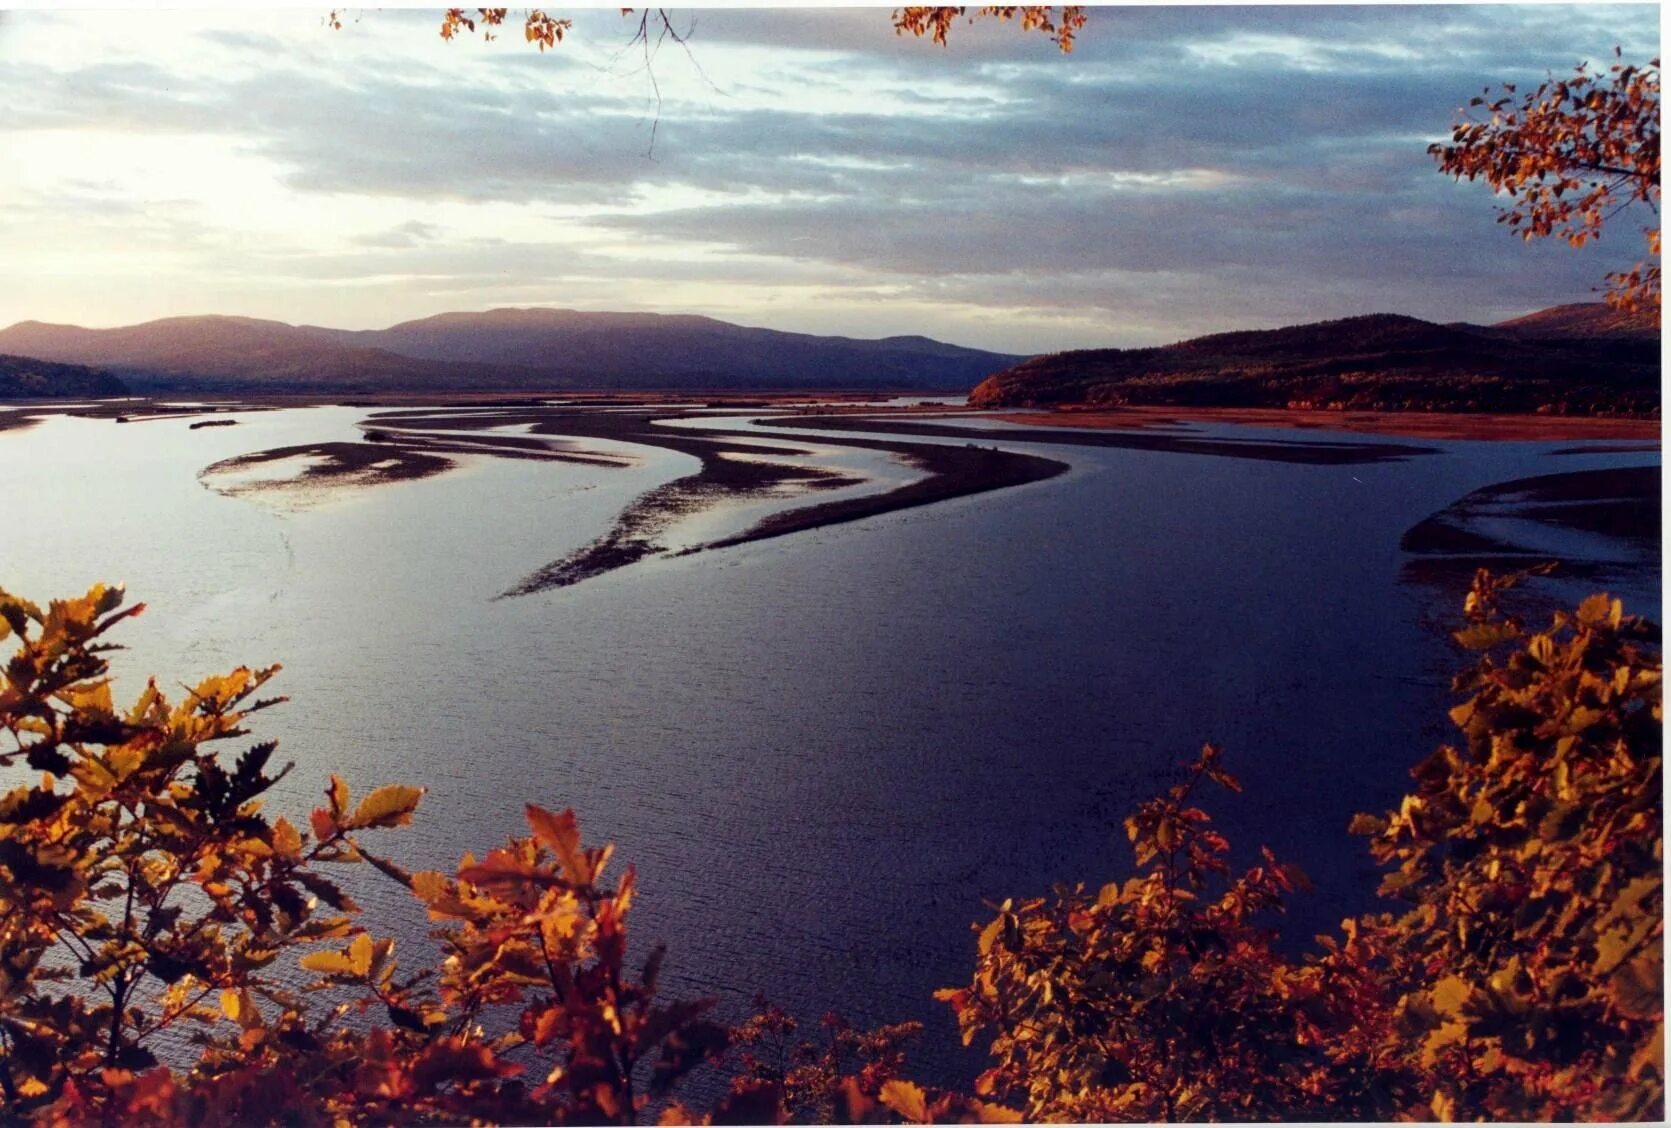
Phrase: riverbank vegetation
[173,951]
[1598,365]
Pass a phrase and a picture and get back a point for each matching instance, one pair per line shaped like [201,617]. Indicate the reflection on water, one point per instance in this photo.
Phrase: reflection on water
[822,751]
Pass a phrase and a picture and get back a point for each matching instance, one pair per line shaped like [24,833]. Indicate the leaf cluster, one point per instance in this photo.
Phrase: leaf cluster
[538,28]
[1165,997]
[1531,857]
[1571,154]
[1061,24]
[1520,981]
[171,953]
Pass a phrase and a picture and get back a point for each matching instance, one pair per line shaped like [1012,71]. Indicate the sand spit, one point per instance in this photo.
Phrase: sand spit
[17,420]
[641,527]
[1147,437]
[732,468]
[1512,525]
[1405,424]
[321,465]
[413,437]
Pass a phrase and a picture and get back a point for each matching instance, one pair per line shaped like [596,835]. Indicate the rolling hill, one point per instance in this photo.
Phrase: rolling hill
[1581,319]
[241,354]
[507,349]
[624,348]
[1570,359]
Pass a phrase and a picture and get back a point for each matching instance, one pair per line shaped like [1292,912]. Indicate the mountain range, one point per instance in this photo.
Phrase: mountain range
[499,350]
[1583,358]
[1578,359]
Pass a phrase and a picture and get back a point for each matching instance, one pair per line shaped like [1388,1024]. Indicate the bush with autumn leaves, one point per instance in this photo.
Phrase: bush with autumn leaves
[171,952]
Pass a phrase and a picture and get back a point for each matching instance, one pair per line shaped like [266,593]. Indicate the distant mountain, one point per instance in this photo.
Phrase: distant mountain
[680,350]
[509,349]
[239,354]
[25,377]
[1569,359]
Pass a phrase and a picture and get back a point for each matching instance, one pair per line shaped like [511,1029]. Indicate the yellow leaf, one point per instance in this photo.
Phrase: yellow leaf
[229,1004]
[561,835]
[360,953]
[94,697]
[125,760]
[1434,1043]
[1449,994]
[330,963]
[286,839]
[1165,834]
[429,886]
[1595,609]
[905,1099]
[337,793]
[387,806]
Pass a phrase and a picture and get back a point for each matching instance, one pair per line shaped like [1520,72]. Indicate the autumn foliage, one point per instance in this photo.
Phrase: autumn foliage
[1570,155]
[1059,23]
[1531,856]
[538,28]
[1165,997]
[1519,981]
[171,952]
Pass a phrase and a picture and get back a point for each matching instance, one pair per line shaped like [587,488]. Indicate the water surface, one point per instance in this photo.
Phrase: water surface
[822,752]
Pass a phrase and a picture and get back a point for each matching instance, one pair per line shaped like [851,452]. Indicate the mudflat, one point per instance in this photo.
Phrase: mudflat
[410,437]
[1409,424]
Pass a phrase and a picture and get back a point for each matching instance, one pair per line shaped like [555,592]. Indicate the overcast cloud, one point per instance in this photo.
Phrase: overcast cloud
[1184,170]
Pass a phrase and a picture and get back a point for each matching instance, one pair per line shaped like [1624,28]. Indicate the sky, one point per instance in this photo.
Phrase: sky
[1184,170]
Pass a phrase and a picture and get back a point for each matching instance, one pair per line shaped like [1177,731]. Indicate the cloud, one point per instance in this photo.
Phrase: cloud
[412,233]
[1185,168]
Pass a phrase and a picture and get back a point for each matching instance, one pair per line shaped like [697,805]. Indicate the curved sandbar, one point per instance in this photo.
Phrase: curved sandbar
[1592,524]
[327,464]
[1471,425]
[731,469]
[1322,453]
[951,472]
[1622,503]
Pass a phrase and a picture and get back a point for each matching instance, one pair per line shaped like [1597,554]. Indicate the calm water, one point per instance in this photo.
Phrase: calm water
[821,752]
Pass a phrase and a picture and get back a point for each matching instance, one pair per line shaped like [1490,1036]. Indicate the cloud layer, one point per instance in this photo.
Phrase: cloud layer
[1185,170]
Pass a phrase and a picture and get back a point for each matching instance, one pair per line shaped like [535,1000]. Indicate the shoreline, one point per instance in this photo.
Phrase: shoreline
[726,473]
[1126,436]
[808,403]
[1482,426]
[419,436]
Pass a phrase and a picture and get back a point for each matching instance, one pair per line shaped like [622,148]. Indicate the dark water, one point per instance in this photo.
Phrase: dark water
[821,752]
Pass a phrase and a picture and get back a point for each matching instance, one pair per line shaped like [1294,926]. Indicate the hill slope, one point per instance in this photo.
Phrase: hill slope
[25,377]
[240,354]
[1581,319]
[503,349]
[1552,361]
[627,349]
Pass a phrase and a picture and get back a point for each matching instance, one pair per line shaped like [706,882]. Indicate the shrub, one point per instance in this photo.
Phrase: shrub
[1531,857]
[1522,982]
[144,889]
[170,953]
